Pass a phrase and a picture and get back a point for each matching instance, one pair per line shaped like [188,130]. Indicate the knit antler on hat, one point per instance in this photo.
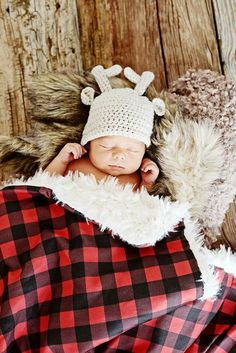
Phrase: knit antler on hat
[101,75]
[142,82]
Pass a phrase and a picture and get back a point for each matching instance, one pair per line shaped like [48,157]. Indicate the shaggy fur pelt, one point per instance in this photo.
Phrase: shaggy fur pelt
[188,152]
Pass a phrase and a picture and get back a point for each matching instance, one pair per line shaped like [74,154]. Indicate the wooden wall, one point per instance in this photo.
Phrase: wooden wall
[165,36]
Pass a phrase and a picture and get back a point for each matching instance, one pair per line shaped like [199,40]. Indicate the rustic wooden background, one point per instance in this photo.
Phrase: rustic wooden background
[165,36]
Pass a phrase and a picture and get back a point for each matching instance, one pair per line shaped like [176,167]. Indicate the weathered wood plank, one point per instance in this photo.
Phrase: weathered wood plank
[95,32]
[188,36]
[225,16]
[35,37]
[229,226]
[124,32]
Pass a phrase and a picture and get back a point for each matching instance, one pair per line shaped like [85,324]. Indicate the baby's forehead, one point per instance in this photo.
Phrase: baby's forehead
[122,140]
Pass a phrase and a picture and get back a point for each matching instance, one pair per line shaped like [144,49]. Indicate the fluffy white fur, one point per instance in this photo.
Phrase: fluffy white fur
[136,217]
[192,159]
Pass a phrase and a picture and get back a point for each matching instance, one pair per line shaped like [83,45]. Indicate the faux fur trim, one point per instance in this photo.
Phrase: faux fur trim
[136,217]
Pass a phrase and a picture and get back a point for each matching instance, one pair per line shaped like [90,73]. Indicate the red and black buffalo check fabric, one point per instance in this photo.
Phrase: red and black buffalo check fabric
[67,287]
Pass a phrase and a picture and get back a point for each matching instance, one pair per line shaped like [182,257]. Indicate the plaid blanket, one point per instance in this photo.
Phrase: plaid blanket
[67,286]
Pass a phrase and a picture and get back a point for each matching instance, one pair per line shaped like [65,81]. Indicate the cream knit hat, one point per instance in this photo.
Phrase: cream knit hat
[120,111]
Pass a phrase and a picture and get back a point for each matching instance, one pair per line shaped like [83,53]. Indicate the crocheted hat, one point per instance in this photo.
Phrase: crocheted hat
[120,111]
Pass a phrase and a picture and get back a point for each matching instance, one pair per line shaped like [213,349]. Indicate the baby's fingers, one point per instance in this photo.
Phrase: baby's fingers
[78,151]
[73,151]
[83,150]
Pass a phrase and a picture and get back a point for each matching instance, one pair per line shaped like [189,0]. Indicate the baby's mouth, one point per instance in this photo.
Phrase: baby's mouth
[114,166]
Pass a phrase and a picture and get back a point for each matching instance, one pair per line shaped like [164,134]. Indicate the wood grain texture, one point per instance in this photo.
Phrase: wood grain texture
[188,36]
[95,33]
[229,226]
[35,37]
[225,17]
[124,32]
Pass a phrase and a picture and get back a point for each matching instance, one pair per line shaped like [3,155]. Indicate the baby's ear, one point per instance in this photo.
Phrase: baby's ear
[87,95]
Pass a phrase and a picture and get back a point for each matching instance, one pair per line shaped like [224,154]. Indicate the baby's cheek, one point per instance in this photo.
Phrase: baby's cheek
[140,164]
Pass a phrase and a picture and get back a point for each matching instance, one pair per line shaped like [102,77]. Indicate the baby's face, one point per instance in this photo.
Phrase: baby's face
[116,155]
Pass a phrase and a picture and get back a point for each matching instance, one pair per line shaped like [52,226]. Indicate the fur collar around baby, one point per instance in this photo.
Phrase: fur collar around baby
[136,217]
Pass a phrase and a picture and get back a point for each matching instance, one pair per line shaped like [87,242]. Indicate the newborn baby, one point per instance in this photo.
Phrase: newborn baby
[117,132]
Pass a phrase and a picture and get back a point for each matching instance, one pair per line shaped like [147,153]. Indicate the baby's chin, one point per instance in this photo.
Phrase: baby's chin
[116,171]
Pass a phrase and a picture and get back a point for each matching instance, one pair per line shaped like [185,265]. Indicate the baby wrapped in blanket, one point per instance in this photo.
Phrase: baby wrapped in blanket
[117,133]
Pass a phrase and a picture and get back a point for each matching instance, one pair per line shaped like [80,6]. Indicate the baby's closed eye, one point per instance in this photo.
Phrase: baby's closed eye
[104,146]
[132,150]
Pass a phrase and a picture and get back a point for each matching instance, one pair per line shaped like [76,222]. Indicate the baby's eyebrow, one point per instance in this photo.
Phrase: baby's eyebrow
[104,140]
[105,143]
[133,146]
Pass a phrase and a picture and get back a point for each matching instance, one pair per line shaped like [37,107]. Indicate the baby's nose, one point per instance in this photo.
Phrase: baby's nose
[119,154]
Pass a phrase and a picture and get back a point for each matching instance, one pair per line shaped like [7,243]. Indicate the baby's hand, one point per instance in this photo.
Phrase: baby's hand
[149,172]
[70,152]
